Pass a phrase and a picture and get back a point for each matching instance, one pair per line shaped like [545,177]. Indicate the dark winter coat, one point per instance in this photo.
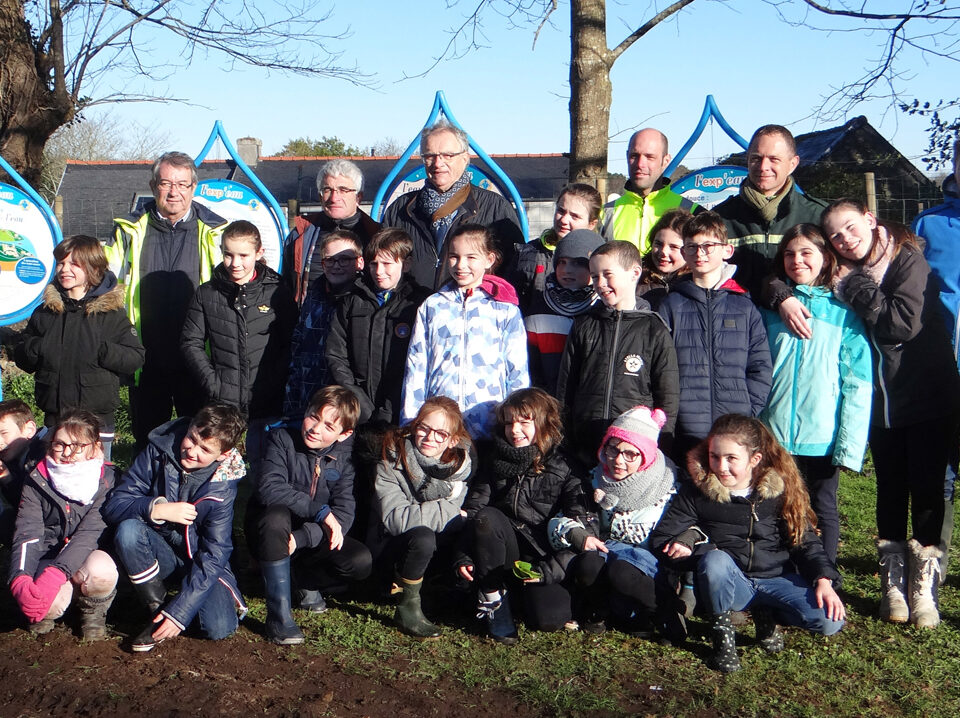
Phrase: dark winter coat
[205,545]
[614,360]
[54,531]
[757,241]
[366,348]
[722,351]
[480,207]
[530,500]
[304,240]
[79,350]
[248,329]
[916,376]
[311,483]
[750,529]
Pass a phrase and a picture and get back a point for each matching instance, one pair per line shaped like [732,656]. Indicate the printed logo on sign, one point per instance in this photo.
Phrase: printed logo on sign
[402,331]
[632,364]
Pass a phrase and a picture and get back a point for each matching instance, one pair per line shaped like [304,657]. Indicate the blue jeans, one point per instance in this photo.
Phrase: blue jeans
[139,548]
[792,600]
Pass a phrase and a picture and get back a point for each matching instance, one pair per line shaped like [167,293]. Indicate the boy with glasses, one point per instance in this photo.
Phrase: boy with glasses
[721,343]
[341,256]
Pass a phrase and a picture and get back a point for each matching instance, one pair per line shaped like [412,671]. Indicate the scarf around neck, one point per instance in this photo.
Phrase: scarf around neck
[420,468]
[568,302]
[766,206]
[77,482]
[439,206]
[511,462]
[640,489]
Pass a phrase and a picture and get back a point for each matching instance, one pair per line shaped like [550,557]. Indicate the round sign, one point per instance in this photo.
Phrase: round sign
[233,201]
[26,254]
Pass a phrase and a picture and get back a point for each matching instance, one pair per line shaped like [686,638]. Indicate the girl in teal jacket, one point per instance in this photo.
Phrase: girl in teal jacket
[819,404]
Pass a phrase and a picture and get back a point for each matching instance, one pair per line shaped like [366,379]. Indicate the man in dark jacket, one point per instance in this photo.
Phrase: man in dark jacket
[448,200]
[768,204]
[173,512]
[161,255]
[340,185]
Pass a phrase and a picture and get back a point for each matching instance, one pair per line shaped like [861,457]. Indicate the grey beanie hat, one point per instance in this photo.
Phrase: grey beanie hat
[578,244]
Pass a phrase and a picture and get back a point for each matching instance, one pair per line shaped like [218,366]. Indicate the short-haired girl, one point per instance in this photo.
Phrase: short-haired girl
[526,481]
[819,403]
[632,485]
[746,520]
[79,342]
[421,485]
[468,342]
[55,556]
[884,278]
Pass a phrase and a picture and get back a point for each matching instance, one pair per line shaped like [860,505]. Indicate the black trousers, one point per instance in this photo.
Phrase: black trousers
[318,567]
[822,479]
[158,392]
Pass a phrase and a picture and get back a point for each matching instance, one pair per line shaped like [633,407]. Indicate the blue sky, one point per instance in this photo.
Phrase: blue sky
[513,99]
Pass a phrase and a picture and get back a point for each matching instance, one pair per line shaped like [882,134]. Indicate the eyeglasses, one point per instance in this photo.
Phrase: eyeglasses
[167,185]
[326,192]
[425,431]
[429,157]
[59,447]
[706,249]
[340,260]
[612,452]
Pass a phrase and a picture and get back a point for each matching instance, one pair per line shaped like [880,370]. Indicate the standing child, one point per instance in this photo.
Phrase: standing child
[883,276]
[747,522]
[468,342]
[632,485]
[173,513]
[618,355]
[246,316]
[297,524]
[370,331]
[342,260]
[819,405]
[721,343]
[422,481]
[578,207]
[56,548]
[663,265]
[526,482]
[79,342]
[567,293]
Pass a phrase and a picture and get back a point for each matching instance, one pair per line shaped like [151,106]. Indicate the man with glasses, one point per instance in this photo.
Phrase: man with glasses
[768,204]
[161,255]
[340,187]
[447,200]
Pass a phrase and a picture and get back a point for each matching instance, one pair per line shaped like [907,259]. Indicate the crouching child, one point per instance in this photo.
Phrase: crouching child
[173,512]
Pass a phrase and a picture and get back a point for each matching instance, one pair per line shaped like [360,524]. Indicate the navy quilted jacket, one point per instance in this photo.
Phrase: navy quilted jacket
[722,351]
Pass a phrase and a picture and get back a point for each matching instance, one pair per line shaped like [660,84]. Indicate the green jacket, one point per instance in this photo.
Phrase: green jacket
[123,252]
[631,216]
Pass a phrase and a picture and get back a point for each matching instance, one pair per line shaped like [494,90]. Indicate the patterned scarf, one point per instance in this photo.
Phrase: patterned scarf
[440,207]
[568,302]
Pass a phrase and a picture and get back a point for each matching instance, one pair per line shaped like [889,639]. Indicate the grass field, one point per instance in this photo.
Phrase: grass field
[869,669]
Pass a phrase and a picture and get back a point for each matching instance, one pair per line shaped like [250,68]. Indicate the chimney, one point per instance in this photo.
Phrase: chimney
[249,150]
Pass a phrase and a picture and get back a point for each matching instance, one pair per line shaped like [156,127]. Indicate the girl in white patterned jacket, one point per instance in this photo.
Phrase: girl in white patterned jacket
[469,342]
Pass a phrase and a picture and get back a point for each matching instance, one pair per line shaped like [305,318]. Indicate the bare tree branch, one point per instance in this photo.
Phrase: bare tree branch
[647,27]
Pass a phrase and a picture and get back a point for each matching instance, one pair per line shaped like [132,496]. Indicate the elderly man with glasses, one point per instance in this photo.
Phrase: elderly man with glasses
[340,186]
[162,254]
[447,200]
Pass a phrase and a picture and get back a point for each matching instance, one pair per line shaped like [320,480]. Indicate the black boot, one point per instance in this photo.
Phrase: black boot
[93,615]
[409,617]
[769,634]
[281,628]
[153,593]
[724,657]
[311,600]
[499,619]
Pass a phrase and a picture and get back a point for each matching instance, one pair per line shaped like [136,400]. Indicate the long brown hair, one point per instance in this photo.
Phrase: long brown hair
[900,233]
[811,233]
[393,442]
[544,410]
[755,437]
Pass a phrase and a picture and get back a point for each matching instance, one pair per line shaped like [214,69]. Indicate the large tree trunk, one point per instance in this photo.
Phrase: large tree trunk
[33,99]
[590,90]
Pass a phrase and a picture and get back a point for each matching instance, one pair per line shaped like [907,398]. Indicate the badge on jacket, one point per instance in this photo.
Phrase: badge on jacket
[632,364]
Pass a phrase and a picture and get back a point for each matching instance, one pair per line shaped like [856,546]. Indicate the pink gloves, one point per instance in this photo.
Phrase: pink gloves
[36,597]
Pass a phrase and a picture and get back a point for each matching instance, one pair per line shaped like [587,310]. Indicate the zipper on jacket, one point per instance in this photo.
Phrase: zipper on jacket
[710,378]
[607,395]
[753,518]
[463,343]
[881,383]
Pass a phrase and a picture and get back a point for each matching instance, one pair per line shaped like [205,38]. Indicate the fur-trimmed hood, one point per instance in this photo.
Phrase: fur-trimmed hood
[106,297]
[769,486]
